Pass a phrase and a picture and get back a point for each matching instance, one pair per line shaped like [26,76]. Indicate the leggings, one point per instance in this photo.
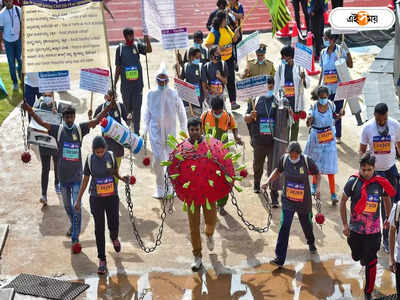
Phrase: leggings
[45,159]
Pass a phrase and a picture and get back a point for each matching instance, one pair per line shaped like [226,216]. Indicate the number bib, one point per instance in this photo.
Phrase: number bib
[372,203]
[295,191]
[325,136]
[289,89]
[382,144]
[104,186]
[266,126]
[330,77]
[197,89]
[216,87]
[226,50]
[131,73]
[70,151]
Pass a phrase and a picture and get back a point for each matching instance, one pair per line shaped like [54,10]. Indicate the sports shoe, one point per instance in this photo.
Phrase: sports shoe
[275,205]
[313,189]
[210,243]
[43,200]
[256,190]
[368,296]
[57,188]
[117,245]
[69,232]
[76,248]
[197,264]
[102,269]
[276,262]
[312,249]
[334,199]
[338,141]
[235,106]
[222,211]
[386,246]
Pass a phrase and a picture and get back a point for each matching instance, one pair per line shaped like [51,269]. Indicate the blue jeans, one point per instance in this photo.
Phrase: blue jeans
[284,232]
[69,192]
[13,52]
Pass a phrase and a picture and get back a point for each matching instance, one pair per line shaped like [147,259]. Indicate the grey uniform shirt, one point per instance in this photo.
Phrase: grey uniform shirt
[191,73]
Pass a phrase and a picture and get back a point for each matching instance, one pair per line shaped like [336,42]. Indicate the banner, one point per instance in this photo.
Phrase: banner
[251,87]
[95,80]
[68,35]
[250,44]
[303,56]
[186,91]
[56,81]
[350,89]
[175,38]
[158,15]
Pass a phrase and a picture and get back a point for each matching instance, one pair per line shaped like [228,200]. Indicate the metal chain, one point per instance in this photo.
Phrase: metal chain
[318,206]
[23,129]
[145,291]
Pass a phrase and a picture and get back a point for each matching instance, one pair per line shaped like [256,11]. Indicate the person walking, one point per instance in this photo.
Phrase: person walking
[316,10]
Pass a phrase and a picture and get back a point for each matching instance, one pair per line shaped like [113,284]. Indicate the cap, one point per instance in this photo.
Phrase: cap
[262,49]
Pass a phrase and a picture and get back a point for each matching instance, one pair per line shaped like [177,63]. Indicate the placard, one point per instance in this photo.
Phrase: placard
[250,44]
[175,38]
[95,80]
[251,87]
[158,15]
[186,91]
[350,89]
[303,56]
[55,81]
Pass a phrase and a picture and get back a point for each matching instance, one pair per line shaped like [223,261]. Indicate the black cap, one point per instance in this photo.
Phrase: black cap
[262,49]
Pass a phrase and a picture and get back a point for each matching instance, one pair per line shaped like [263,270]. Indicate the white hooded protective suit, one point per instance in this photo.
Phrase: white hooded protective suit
[161,112]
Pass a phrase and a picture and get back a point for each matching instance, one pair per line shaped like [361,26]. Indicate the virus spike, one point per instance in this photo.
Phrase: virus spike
[172,139]
[184,208]
[208,139]
[192,207]
[242,167]
[165,163]
[179,156]
[171,145]
[239,189]
[218,172]
[228,156]
[211,183]
[207,127]
[183,134]
[174,176]
[229,144]
[214,132]
[196,145]
[209,154]
[193,168]
[236,156]
[228,178]
[238,178]
[169,197]
[186,185]
[224,137]
[208,206]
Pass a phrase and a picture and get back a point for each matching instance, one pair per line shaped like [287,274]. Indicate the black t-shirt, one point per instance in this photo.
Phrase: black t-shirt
[69,151]
[289,82]
[203,57]
[209,75]
[262,130]
[113,146]
[191,73]
[102,171]
[296,194]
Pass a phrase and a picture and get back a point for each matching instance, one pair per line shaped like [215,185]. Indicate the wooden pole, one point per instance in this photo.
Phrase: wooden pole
[91,101]
[107,47]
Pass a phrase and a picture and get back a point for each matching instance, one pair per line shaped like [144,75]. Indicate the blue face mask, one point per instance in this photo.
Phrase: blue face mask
[66,125]
[326,43]
[269,93]
[196,45]
[284,62]
[161,87]
[323,101]
[260,62]
[196,61]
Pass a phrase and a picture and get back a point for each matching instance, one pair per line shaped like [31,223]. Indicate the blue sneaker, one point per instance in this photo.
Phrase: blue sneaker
[57,187]
[313,188]
[334,199]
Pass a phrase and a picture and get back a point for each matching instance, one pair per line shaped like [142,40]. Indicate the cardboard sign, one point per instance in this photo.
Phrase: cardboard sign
[251,87]
[350,89]
[158,15]
[175,38]
[186,91]
[303,56]
[248,45]
[55,81]
[95,80]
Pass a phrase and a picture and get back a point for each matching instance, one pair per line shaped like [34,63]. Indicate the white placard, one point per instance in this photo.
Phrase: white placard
[350,89]
[303,56]
[95,80]
[251,87]
[54,81]
[186,91]
[158,15]
[250,44]
[177,38]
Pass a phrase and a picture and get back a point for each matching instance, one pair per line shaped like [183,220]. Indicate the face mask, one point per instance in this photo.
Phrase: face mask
[161,87]
[294,161]
[260,62]
[217,115]
[108,102]
[383,130]
[196,45]
[326,43]
[47,100]
[269,93]
[217,58]
[66,125]
[196,61]
[323,101]
[284,62]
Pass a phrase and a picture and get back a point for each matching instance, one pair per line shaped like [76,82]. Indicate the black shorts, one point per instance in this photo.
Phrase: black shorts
[364,246]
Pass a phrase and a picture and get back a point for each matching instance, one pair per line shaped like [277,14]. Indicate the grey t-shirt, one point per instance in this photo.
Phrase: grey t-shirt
[192,73]
[69,152]
[128,60]
[102,171]
[209,75]
[296,194]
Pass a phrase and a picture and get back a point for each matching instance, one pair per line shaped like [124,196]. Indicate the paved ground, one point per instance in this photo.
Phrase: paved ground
[36,242]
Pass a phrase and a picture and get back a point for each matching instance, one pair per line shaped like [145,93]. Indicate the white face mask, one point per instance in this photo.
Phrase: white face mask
[47,100]
[217,115]
[294,161]
[108,102]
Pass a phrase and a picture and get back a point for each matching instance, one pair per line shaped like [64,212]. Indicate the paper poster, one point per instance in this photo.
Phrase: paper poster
[350,89]
[95,80]
[186,91]
[54,81]
[175,38]
[303,56]
[250,44]
[158,15]
[68,35]
[251,87]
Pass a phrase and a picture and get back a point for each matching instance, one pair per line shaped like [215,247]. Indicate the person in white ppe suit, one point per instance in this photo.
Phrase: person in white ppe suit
[162,110]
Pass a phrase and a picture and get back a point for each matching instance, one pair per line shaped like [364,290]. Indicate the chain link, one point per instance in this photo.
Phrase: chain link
[23,129]
[318,206]
[145,291]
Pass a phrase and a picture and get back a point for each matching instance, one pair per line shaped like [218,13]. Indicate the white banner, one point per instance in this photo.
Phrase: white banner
[95,80]
[54,81]
[158,15]
[186,91]
[175,38]
[350,89]
[248,45]
[303,56]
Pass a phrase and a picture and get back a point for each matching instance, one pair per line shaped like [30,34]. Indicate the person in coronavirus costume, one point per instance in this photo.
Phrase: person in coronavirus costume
[201,171]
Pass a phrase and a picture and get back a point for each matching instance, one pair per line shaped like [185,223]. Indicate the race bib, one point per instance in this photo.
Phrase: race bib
[131,73]
[330,77]
[325,136]
[289,89]
[382,144]
[372,203]
[105,186]
[295,191]
[216,87]
[226,51]
[197,89]
[266,126]
[70,151]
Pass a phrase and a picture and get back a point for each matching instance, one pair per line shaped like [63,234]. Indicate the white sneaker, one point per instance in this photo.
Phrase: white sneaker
[210,243]
[338,141]
[196,265]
